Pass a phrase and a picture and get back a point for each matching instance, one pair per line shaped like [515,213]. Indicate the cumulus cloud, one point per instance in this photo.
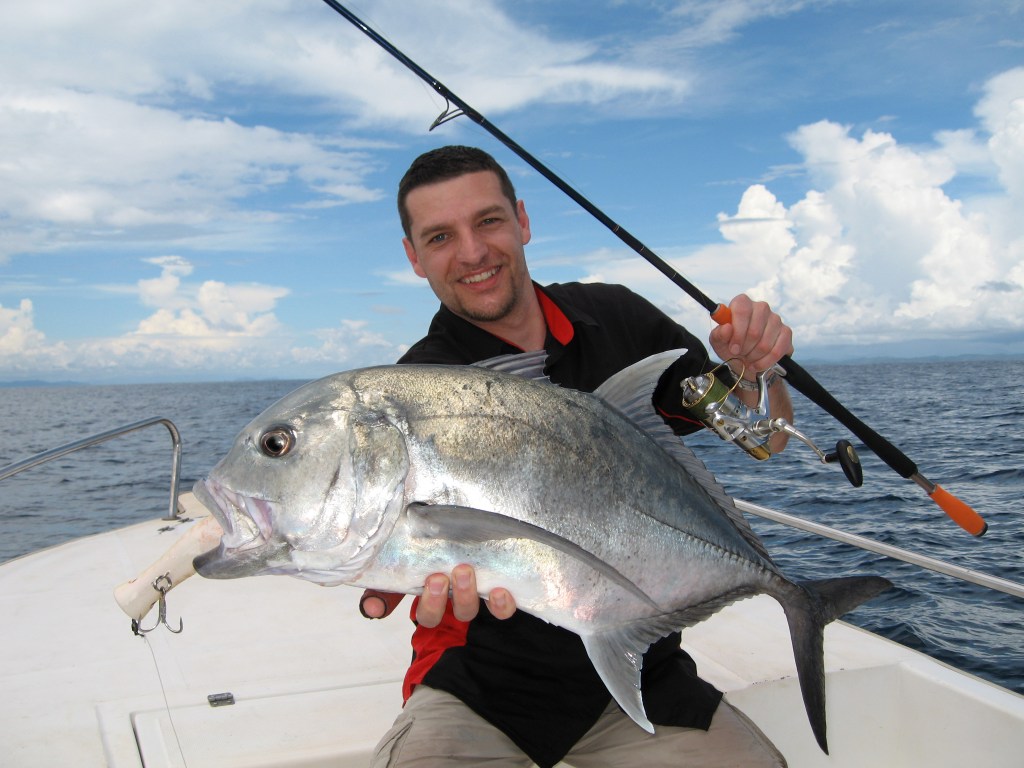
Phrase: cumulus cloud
[204,325]
[353,343]
[193,327]
[1001,112]
[23,347]
[877,249]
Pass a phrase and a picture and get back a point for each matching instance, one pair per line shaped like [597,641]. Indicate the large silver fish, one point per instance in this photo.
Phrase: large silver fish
[585,506]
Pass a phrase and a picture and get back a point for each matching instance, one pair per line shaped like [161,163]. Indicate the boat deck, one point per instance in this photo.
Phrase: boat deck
[315,684]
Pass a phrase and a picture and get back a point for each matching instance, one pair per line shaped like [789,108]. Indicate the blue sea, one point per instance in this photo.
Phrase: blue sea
[962,422]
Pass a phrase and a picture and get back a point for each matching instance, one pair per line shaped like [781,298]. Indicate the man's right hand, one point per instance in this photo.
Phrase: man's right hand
[434,600]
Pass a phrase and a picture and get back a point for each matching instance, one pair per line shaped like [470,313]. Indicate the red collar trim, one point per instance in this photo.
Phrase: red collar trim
[559,325]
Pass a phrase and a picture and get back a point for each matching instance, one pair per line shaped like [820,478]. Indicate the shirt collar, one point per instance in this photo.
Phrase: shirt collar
[558,323]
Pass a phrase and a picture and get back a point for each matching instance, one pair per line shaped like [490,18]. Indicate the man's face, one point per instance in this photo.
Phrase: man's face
[467,240]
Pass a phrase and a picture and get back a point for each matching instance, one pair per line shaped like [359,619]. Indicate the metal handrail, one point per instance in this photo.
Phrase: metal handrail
[939,566]
[102,437]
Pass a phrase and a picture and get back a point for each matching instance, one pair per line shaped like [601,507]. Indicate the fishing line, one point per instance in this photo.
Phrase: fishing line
[796,376]
[167,704]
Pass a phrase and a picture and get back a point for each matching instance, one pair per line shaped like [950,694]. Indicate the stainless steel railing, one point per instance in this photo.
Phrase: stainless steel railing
[923,561]
[102,437]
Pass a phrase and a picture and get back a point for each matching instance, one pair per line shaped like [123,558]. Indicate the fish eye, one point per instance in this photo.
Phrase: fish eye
[277,441]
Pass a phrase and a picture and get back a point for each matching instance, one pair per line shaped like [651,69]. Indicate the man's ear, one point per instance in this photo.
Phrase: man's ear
[524,220]
[414,259]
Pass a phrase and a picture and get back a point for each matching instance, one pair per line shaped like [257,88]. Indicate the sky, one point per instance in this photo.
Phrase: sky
[205,191]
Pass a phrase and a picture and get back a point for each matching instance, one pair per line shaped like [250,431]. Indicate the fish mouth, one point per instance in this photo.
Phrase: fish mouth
[246,521]
[247,524]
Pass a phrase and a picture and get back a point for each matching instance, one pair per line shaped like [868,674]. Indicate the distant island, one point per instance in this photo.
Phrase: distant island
[41,383]
[811,358]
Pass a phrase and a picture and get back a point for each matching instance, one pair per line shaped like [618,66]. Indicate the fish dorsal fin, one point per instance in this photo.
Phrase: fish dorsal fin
[630,392]
[631,389]
[528,365]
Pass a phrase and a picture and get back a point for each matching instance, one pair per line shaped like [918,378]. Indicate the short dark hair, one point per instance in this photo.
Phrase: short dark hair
[446,163]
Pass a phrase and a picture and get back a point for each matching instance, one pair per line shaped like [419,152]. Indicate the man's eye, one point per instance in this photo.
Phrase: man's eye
[439,238]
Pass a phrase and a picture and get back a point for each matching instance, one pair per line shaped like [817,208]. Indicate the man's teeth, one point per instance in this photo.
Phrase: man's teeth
[480,277]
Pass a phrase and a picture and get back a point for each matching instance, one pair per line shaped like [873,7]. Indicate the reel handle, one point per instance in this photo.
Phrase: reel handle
[848,459]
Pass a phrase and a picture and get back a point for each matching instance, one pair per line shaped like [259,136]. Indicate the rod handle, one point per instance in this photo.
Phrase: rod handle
[961,513]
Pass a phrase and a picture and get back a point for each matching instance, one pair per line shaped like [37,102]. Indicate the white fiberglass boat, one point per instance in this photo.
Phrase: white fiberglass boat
[271,671]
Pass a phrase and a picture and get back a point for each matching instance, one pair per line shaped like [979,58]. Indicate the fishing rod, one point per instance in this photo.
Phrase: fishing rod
[798,378]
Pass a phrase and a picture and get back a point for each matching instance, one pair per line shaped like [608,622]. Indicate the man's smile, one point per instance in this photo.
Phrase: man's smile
[479,277]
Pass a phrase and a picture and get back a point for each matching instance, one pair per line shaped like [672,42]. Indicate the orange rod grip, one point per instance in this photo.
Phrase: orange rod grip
[722,315]
[962,514]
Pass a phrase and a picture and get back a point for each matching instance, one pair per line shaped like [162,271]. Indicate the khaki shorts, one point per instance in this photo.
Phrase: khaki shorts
[436,729]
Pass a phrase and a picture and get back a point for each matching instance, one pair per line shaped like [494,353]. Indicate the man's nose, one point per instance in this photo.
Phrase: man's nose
[472,247]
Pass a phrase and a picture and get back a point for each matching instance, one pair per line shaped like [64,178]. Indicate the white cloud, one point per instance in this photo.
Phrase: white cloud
[1001,111]
[354,343]
[23,347]
[492,72]
[195,328]
[163,291]
[207,326]
[714,21]
[81,164]
[877,249]
[905,250]
[108,135]
[220,126]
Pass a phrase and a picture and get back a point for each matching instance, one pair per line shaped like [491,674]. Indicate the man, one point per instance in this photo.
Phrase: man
[502,687]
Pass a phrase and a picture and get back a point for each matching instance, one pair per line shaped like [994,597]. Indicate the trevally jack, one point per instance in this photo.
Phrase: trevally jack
[586,507]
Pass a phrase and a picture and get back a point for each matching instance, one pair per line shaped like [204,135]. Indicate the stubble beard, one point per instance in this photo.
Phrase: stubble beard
[500,312]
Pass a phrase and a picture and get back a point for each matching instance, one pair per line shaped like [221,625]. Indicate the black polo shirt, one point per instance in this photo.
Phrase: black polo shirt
[531,679]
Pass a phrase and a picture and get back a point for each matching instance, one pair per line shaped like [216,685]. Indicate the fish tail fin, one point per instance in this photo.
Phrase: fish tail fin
[820,603]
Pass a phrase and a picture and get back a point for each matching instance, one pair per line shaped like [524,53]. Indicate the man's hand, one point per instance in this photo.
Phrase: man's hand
[434,600]
[465,601]
[755,338]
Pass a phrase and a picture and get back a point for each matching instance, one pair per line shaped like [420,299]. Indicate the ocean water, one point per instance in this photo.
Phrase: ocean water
[960,422]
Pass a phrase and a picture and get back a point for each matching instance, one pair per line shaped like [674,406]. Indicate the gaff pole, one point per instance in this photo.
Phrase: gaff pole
[797,377]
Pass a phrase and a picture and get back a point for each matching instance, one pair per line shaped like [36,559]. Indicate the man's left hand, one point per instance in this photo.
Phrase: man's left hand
[755,339]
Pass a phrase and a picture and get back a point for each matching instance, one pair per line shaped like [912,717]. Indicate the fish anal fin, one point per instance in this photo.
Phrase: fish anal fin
[618,653]
[618,658]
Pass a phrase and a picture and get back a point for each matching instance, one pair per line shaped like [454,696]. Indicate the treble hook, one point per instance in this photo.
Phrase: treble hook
[446,115]
[161,584]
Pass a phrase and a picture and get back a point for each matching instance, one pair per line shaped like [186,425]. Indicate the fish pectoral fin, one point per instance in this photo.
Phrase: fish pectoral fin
[469,525]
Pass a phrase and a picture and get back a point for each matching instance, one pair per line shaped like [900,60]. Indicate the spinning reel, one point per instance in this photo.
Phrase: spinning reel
[713,402]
